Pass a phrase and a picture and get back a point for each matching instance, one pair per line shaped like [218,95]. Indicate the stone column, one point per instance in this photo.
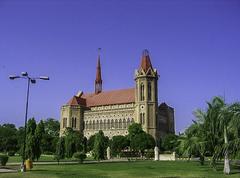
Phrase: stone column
[156,151]
[108,153]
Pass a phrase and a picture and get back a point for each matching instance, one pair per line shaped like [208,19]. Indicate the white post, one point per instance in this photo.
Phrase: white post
[156,151]
[108,153]
[174,156]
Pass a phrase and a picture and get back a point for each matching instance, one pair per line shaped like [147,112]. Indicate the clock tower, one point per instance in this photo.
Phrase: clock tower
[146,98]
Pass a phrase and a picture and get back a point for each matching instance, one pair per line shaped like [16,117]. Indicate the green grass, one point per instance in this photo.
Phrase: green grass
[178,169]
[18,159]
[15,159]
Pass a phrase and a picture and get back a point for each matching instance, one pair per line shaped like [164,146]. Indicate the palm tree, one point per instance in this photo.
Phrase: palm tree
[192,142]
[229,121]
[219,122]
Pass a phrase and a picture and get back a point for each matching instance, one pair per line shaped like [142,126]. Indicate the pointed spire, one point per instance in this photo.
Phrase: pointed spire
[146,62]
[98,74]
[98,81]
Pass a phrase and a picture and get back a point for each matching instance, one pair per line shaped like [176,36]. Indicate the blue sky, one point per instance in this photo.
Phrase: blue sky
[194,45]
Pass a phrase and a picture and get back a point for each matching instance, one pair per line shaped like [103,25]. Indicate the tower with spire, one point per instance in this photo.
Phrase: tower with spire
[146,97]
[98,81]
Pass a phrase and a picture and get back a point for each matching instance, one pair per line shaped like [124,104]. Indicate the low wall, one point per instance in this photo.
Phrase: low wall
[167,157]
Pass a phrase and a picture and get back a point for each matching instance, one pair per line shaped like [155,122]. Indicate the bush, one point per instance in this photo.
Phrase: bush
[3,160]
[80,156]
[149,154]
[57,157]
[11,153]
[48,153]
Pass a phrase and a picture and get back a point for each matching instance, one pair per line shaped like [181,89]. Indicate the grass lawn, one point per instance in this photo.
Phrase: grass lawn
[18,159]
[179,169]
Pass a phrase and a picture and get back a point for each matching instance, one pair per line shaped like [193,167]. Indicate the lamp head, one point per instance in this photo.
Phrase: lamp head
[24,74]
[33,81]
[44,77]
[12,77]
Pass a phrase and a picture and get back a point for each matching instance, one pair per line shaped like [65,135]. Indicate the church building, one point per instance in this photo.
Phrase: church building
[113,111]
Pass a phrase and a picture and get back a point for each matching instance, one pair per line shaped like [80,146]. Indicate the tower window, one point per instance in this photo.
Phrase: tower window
[149,91]
[142,118]
[64,122]
[74,122]
[142,92]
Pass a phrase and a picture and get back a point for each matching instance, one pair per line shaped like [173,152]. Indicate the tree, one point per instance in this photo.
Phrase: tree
[60,150]
[69,142]
[50,137]
[100,146]
[142,141]
[170,142]
[80,156]
[8,138]
[133,130]
[90,142]
[52,127]
[215,132]
[192,143]
[74,142]
[31,140]
[139,140]
[39,133]
[118,143]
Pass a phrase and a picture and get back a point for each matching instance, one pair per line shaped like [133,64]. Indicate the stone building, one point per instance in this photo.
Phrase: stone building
[113,111]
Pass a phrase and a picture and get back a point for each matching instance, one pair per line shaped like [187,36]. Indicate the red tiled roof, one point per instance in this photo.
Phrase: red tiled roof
[75,101]
[110,97]
[146,62]
[104,98]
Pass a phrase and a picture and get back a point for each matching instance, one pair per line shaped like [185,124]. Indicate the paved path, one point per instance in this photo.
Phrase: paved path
[3,170]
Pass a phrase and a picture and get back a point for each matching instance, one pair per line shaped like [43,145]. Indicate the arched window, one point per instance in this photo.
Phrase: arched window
[101,125]
[74,122]
[142,92]
[112,124]
[108,124]
[64,122]
[93,125]
[120,124]
[97,125]
[104,124]
[86,125]
[128,122]
[90,125]
[132,121]
[116,124]
[142,118]
[149,91]
[124,123]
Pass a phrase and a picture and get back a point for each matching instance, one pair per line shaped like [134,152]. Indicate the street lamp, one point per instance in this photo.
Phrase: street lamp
[24,75]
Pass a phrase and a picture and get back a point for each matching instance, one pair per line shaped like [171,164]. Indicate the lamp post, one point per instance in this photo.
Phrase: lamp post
[24,75]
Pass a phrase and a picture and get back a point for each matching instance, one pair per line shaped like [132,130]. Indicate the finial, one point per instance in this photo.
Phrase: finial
[99,51]
[145,52]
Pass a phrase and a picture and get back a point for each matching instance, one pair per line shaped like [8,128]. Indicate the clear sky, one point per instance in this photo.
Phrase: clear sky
[194,45]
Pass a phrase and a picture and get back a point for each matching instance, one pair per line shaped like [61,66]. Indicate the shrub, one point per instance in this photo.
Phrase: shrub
[48,153]
[80,156]
[3,160]
[149,154]
[57,157]
[11,153]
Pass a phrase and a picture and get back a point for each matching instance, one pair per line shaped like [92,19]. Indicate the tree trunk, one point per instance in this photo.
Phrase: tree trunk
[226,169]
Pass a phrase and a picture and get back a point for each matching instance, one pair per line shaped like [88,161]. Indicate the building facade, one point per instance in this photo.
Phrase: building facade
[113,111]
